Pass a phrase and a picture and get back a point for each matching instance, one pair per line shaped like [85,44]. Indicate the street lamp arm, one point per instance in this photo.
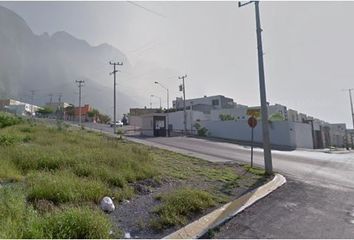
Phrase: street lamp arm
[244,4]
[161,85]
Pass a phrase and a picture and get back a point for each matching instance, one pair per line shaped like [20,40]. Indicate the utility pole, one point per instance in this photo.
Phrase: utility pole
[184,103]
[80,85]
[114,92]
[32,103]
[352,112]
[51,98]
[264,109]
[167,105]
[59,105]
[351,102]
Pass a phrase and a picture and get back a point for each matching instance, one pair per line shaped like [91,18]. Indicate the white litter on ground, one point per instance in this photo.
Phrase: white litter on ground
[107,205]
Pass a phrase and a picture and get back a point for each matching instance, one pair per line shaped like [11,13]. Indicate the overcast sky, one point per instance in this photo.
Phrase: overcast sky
[309,47]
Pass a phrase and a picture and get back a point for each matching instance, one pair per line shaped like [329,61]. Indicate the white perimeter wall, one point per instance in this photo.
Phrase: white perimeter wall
[282,133]
[176,119]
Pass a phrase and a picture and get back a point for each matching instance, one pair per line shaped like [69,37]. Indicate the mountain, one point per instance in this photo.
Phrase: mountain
[50,64]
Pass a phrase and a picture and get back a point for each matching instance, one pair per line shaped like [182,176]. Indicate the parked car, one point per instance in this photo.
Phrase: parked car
[118,124]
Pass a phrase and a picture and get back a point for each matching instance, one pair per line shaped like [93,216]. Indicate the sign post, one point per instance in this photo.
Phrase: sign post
[252,122]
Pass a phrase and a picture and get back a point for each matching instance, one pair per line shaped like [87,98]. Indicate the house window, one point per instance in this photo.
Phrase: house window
[215,102]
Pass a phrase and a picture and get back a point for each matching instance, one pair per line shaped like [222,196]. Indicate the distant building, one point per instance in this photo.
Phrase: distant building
[142,111]
[18,108]
[279,110]
[84,112]
[204,104]
[338,135]
[350,137]
[54,106]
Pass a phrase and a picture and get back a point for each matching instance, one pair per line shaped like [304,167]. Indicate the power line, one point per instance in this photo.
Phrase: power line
[147,9]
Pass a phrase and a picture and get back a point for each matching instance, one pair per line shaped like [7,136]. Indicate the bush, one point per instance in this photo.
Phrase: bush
[65,187]
[8,171]
[179,205]
[77,223]
[38,159]
[202,131]
[6,140]
[17,220]
[7,120]
[226,117]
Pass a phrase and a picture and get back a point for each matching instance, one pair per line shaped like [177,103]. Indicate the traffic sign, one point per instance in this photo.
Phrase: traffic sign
[252,122]
[254,112]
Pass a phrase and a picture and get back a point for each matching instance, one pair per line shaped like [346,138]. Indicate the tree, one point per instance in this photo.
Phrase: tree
[45,111]
[125,119]
[70,111]
[226,117]
[94,114]
[104,118]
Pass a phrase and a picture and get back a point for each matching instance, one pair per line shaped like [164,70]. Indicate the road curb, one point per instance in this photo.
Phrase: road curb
[201,226]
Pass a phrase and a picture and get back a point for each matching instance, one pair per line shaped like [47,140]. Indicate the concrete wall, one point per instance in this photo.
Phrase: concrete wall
[237,112]
[283,133]
[147,126]
[302,133]
[136,121]
[176,119]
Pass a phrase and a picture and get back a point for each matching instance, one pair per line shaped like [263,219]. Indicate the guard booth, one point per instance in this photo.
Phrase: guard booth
[159,126]
[154,125]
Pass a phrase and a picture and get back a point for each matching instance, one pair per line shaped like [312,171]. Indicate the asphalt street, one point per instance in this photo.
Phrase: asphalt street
[317,201]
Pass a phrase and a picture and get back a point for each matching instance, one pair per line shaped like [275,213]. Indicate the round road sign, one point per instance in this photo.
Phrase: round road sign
[252,122]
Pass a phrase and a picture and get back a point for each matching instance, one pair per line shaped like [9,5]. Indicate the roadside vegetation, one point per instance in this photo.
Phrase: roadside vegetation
[178,205]
[52,178]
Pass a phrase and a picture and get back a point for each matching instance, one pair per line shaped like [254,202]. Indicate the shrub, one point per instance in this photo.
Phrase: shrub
[7,120]
[6,140]
[39,159]
[77,223]
[17,220]
[26,129]
[8,171]
[226,117]
[201,131]
[64,187]
[179,205]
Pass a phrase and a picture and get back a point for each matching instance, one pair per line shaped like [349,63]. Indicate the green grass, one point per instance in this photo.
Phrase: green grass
[176,207]
[255,170]
[7,120]
[77,223]
[18,220]
[70,171]
[62,187]
[61,173]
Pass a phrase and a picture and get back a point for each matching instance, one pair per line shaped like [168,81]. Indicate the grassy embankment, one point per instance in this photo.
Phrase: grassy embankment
[53,177]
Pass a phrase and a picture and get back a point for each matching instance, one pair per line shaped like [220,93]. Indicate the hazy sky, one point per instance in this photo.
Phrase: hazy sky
[309,47]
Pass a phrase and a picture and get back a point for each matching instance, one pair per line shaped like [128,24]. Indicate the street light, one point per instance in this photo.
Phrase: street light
[168,104]
[156,97]
[265,125]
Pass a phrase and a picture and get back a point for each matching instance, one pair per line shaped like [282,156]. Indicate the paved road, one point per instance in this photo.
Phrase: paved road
[296,210]
[317,201]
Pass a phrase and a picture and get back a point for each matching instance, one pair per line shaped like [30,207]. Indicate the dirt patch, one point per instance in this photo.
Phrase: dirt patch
[134,216]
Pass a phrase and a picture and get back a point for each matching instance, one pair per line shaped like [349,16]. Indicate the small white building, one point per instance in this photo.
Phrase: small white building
[204,104]
[18,108]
